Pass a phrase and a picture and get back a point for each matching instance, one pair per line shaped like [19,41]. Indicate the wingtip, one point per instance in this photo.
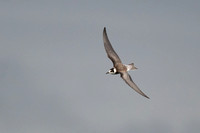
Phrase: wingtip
[104,33]
[104,29]
[147,97]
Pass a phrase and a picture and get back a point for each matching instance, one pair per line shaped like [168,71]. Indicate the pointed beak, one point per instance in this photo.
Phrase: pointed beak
[135,67]
[107,73]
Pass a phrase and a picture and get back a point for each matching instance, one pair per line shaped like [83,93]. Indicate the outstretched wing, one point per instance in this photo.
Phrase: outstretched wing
[109,49]
[127,78]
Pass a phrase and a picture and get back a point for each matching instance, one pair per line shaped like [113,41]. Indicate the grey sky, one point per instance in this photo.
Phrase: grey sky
[53,65]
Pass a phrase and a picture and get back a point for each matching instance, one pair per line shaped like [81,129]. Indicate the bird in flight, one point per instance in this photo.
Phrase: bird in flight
[118,67]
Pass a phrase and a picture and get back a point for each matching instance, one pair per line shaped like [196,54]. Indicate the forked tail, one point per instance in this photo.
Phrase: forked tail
[131,67]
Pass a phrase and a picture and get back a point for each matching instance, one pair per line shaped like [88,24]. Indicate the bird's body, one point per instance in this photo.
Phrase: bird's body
[118,66]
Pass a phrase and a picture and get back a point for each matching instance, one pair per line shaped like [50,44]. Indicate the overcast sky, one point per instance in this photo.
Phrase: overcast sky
[53,65]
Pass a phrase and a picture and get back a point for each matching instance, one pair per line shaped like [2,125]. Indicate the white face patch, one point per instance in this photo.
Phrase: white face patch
[113,71]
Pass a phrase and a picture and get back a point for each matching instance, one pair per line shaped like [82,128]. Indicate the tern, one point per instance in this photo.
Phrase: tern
[118,67]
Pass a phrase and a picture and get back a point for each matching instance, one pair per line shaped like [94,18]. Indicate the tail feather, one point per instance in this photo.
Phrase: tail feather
[132,67]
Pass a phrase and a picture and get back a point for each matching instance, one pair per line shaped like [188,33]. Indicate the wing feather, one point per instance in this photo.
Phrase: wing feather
[109,49]
[127,78]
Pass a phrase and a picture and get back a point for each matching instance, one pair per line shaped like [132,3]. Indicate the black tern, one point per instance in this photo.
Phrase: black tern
[118,67]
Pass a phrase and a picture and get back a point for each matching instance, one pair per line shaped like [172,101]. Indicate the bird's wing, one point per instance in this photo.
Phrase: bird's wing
[109,49]
[127,78]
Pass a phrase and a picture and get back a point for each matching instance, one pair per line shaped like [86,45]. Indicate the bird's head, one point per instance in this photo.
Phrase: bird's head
[112,71]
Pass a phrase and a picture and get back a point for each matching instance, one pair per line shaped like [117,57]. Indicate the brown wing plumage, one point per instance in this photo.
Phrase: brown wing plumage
[127,78]
[109,49]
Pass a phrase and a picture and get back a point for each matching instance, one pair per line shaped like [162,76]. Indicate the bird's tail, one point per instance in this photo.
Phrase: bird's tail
[132,67]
